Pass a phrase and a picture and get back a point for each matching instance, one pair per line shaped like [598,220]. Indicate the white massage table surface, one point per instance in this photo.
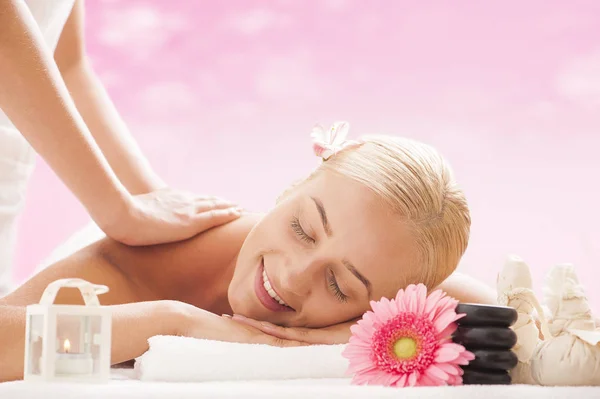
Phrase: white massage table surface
[122,388]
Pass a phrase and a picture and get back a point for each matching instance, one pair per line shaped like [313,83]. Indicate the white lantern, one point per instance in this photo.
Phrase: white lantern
[68,342]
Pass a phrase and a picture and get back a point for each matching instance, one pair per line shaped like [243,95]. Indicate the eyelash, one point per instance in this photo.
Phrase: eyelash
[335,288]
[297,227]
[331,282]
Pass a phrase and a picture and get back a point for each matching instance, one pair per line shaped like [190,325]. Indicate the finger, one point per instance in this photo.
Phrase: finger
[286,343]
[281,342]
[260,325]
[215,217]
[217,203]
[288,333]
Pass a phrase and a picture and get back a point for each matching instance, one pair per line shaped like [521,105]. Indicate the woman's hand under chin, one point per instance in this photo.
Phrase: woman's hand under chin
[336,334]
[198,323]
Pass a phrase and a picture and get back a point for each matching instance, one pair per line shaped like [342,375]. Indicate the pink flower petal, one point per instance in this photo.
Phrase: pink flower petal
[402,381]
[399,305]
[410,294]
[363,379]
[425,381]
[468,355]
[412,379]
[430,319]
[464,358]
[362,331]
[356,369]
[421,298]
[431,381]
[384,379]
[449,368]
[447,332]
[382,309]
[432,301]
[395,378]
[435,372]
[445,304]
[369,319]
[356,356]
[446,354]
[400,295]
[376,316]
[455,380]
[444,320]
[391,305]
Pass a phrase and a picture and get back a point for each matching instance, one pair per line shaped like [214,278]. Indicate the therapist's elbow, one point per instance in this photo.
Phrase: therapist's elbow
[74,69]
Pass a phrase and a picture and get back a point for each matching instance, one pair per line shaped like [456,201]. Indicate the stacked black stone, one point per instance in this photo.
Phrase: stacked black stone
[485,332]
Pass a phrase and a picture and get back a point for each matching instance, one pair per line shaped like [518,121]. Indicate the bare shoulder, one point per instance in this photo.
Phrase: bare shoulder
[88,264]
[135,274]
[168,271]
[467,289]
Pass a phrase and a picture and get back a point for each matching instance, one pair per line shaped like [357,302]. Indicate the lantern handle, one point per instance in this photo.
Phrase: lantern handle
[89,291]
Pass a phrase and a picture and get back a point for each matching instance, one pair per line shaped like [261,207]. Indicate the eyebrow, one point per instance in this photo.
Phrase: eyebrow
[329,232]
[357,274]
[323,215]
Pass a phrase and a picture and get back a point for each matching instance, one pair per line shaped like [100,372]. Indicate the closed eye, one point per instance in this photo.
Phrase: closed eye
[335,288]
[297,228]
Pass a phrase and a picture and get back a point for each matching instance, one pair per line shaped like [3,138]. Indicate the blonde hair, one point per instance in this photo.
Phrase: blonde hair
[417,183]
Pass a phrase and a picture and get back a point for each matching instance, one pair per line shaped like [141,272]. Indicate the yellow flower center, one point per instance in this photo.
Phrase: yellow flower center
[405,348]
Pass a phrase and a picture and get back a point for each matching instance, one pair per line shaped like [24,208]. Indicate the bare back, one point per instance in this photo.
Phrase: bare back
[195,271]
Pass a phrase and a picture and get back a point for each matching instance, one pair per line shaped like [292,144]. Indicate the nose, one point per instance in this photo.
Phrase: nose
[299,276]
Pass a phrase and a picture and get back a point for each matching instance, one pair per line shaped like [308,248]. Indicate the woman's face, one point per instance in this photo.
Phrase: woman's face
[325,251]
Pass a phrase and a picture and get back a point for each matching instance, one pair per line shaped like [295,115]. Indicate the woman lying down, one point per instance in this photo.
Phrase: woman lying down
[375,216]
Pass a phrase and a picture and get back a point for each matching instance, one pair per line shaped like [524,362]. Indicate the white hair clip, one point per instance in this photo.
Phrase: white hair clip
[328,142]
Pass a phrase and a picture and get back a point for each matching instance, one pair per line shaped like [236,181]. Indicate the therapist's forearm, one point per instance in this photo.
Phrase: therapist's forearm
[35,98]
[109,130]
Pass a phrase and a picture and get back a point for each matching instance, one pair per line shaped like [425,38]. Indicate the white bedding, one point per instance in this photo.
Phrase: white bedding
[124,385]
[323,388]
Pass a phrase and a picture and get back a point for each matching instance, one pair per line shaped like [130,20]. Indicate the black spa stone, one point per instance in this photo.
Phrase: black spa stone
[486,315]
[493,359]
[481,377]
[485,337]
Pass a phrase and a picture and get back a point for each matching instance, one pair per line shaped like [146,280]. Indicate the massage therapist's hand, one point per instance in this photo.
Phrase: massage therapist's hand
[336,334]
[198,323]
[168,215]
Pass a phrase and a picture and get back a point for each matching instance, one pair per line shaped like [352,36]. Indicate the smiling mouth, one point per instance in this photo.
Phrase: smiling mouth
[266,293]
[270,290]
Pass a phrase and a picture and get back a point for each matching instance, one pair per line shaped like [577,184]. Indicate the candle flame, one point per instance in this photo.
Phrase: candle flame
[67,346]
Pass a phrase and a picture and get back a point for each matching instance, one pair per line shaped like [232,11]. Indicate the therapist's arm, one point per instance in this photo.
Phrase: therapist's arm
[97,110]
[35,98]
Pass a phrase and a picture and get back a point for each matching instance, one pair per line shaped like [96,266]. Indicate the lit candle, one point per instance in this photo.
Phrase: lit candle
[73,363]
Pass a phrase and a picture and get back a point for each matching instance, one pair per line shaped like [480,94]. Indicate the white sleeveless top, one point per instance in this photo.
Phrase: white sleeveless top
[17,158]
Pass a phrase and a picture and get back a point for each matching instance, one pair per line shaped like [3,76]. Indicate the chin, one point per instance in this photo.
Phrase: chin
[240,301]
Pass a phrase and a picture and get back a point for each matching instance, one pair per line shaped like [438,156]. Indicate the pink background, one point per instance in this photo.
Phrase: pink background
[222,96]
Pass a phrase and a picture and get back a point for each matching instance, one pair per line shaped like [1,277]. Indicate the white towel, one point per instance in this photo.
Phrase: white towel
[183,359]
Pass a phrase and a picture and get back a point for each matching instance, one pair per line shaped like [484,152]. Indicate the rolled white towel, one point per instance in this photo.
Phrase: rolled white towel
[184,359]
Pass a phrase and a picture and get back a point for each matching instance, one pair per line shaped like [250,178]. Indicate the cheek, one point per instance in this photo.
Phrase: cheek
[273,232]
[269,235]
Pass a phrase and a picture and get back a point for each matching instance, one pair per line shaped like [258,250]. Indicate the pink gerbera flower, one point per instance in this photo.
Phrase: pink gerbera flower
[407,341]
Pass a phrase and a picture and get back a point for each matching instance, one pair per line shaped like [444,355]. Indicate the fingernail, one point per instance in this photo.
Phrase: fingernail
[226,316]
[240,317]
